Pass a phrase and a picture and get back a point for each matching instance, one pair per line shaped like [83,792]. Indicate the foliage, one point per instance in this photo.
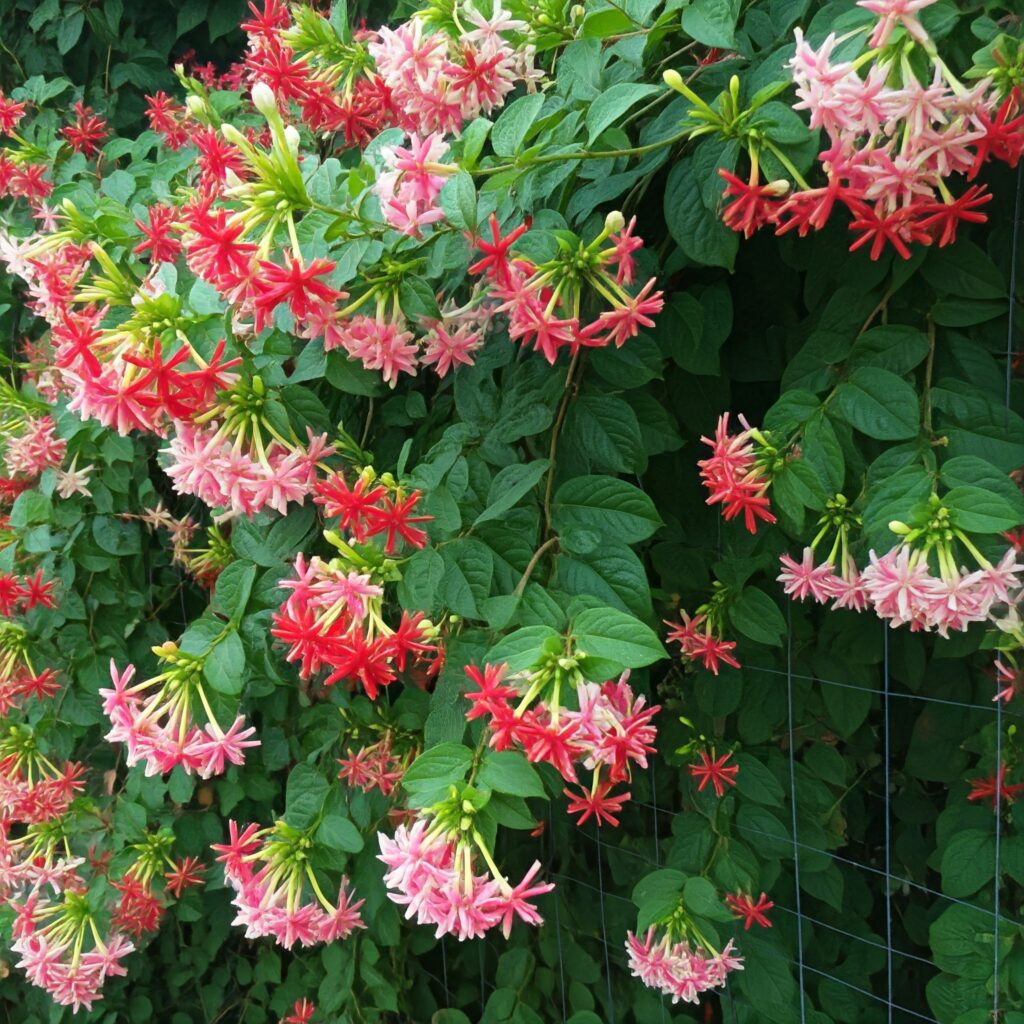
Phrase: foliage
[277,438]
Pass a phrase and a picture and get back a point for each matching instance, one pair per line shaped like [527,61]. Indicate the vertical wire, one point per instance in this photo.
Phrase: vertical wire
[483,984]
[444,972]
[604,926]
[792,804]
[657,844]
[888,816]
[1015,238]
[558,929]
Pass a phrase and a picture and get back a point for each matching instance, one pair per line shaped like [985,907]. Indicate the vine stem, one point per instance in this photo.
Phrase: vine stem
[532,564]
[555,430]
[605,154]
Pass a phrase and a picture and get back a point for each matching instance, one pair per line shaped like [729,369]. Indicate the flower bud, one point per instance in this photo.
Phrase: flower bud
[614,222]
[263,99]
[291,136]
[900,529]
[232,134]
[673,80]
[196,106]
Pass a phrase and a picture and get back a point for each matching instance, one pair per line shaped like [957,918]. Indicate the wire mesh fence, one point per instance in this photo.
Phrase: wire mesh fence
[588,909]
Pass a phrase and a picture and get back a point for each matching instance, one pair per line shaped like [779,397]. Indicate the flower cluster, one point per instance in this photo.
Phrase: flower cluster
[333,618]
[432,871]
[700,639]
[376,766]
[610,730]
[683,968]
[67,946]
[900,586]
[160,719]
[898,128]
[277,892]
[577,299]
[738,472]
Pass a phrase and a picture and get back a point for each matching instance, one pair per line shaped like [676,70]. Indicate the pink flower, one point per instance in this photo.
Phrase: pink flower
[804,579]
[896,12]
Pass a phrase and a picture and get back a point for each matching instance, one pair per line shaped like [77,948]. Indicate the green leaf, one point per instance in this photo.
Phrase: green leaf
[458,200]
[69,31]
[698,231]
[657,896]
[612,507]
[613,103]
[614,636]
[701,898]
[338,833]
[601,24]
[978,510]
[757,616]
[514,124]
[712,22]
[422,575]
[509,772]
[305,794]
[522,649]
[894,347]
[224,667]
[509,485]
[234,585]
[756,782]
[430,775]
[879,404]
[968,862]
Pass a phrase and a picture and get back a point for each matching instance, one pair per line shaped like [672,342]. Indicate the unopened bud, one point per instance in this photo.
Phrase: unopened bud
[263,99]
[196,106]
[779,187]
[673,80]
[900,529]
[232,134]
[291,136]
[614,222]
[467,807]
[577,12]
[466,824]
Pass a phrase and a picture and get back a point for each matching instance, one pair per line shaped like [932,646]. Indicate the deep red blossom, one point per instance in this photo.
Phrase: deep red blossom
[943,219]
[491,696]
[393,518]
[294,284]
[87,132]
[598,803]
[185,874]
[753,204]
[161,238]
[714,771]
[988,788]
[743,905]
[495,261]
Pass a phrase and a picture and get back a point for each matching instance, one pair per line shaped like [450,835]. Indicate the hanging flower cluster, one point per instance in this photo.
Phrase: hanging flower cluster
[900,126]
[577,299]
[333,618]
[68,945]
[677,960]
[432,871]
[739,471]
[610,731]
[277,892]
[167,721]
[900,585]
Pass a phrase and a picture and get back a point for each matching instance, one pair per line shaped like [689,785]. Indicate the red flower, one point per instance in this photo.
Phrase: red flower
[491,696]
[895,227]
[1004,136]
[714,771]
[495,261]
[354,659]
[186,874]
[754,913]
[754,205]
[293,283]
[942,218]
[88,131]
[159,243]
[597,804]
[36,593]
[302,1012]
[352,504]
[989,789]
[10,114]
[392,518]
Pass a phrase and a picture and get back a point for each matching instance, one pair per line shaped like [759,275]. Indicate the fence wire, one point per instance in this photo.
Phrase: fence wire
[613,952]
